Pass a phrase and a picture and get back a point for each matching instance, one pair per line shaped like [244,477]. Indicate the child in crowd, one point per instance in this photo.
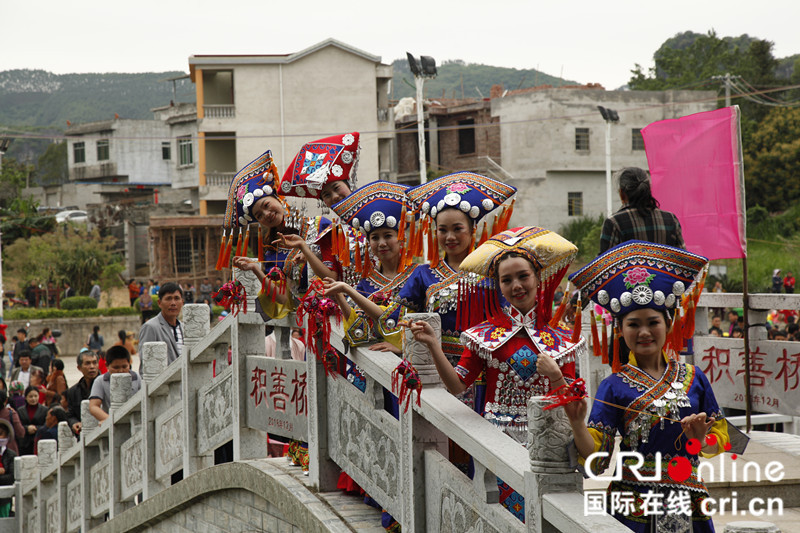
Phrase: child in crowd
[118,361]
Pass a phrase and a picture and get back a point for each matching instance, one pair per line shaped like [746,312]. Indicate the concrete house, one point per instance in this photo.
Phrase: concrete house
[247,104]
[552,143]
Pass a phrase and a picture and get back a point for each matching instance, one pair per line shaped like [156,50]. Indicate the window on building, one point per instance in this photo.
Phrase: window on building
[637,141]
[466,136]
[187,252]
[581,138]
[575,204]
[102,150]
[79,152]
[166,151]
[185,151]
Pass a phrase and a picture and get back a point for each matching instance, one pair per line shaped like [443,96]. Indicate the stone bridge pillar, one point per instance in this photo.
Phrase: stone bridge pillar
[417,433]
[247,338]
[196,325]
[549,434]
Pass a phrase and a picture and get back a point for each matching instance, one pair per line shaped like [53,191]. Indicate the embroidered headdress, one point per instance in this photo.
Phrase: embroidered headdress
[380,204]
[320,162]
[638,275]
[473,194]
[256,180]
[549,252]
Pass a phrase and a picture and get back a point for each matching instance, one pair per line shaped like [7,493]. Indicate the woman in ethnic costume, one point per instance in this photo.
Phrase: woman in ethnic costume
[654,401]
[521,353]
[451,207]
[380,210]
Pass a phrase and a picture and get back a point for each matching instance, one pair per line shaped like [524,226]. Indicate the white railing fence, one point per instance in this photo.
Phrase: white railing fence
[182,413]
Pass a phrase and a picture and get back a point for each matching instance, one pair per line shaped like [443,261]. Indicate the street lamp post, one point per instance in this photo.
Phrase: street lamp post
[609,115]
[422,69]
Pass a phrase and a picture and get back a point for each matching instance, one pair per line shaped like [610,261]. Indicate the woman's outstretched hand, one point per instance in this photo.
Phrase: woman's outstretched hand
[696,426]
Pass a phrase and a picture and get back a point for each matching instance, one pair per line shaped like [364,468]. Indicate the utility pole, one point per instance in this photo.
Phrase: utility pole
[609,115]
[726,80]
[422,69]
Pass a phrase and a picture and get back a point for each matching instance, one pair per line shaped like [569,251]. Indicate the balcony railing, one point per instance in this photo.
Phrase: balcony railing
[219,179]
[219,111]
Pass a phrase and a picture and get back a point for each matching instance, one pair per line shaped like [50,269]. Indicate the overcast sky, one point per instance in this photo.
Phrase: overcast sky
[583,40]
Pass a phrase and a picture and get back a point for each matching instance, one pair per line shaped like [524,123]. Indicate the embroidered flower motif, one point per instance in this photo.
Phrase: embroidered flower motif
[497,333]
[637,276]
[458,187]
[348,139]
[547,339]
[336,170]
[240,192]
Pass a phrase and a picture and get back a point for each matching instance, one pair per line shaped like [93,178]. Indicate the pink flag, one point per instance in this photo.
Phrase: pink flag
[697,173]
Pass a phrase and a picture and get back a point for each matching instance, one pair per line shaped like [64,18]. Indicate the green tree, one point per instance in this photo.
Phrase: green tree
[772,161]
[13,176]
[51,168]
[72,253]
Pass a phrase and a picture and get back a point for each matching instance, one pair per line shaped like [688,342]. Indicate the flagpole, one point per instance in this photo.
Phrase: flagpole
[745,294]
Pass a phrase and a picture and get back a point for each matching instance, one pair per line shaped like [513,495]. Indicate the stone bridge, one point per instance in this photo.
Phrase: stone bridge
[118,477]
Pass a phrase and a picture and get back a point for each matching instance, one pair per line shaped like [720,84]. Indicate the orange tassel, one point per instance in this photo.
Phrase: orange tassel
[432,251]
[367,263]
[595,335]
[576,331]
[411,242]
[221,255]
[401,227]
[228,250]
[507,214]
[359,263]
[559,314]
[436,258]
[260,244]
[604,346]
[420,240]
[494,226]
[616,364]
[345,249]
[239,243]
[246,245]
[484,235]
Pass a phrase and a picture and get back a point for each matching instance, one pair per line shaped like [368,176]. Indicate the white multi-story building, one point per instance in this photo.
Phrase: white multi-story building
[247,104]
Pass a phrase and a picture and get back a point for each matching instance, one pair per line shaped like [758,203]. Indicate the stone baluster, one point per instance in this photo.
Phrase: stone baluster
[66,439]
[418,352]
[247,338]
[48,453]
[154,360]
[88,422]
[416,433]
[26,468]
[549,433]
[196,323]
[121,390]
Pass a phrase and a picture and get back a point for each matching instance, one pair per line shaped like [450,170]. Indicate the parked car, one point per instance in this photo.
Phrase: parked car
[76,216]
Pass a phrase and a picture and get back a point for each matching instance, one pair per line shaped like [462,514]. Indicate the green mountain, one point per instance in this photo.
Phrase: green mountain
[475,79]
[40,103]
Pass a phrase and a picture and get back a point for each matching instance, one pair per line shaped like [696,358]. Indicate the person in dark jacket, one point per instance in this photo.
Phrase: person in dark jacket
[49,430]
[9,414]
[32,416]
[87,364]
[7,456]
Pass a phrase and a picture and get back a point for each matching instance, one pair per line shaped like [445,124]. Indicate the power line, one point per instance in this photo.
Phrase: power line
[743,94]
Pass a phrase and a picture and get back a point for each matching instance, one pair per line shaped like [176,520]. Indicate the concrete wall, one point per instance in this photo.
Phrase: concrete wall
[537,136]
[74,331]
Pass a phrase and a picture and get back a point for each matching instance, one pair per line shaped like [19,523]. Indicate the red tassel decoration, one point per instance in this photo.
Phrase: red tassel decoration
[616,365]
[221,255]
[688,321]
[595,336]
[604,346]
[576,331]
[559,314]
[484,235]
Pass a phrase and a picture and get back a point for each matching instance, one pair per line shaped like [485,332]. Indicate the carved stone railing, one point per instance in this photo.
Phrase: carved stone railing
[186,410]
